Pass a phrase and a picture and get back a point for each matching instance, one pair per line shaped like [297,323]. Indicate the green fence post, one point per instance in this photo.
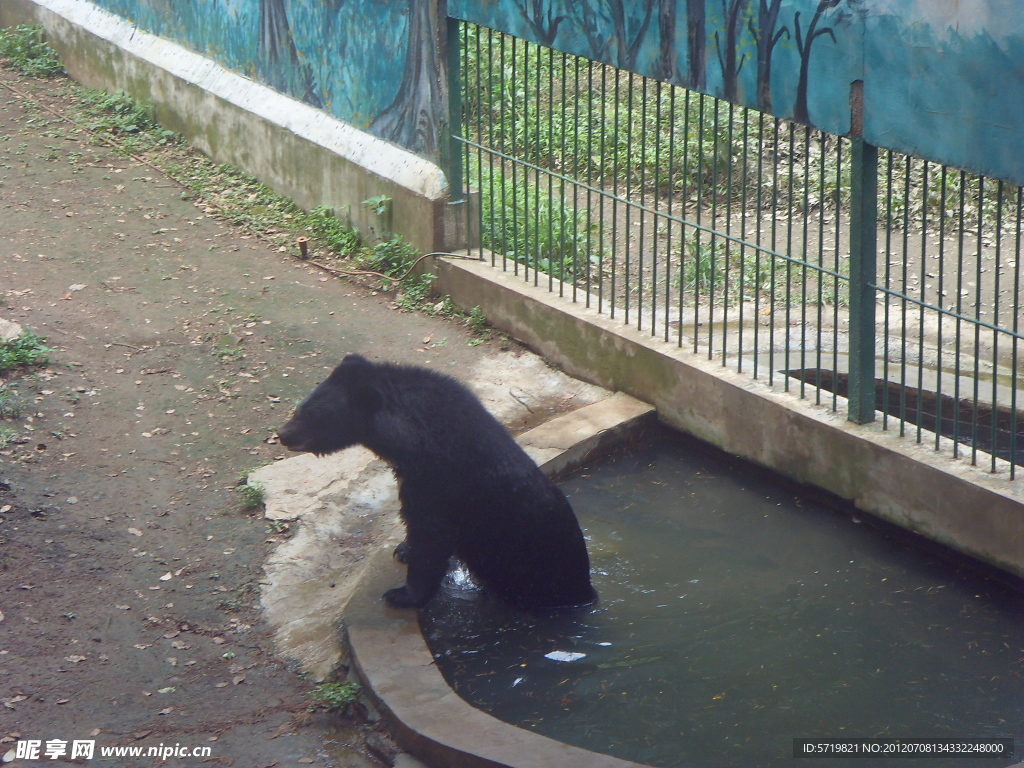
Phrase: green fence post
[863,254]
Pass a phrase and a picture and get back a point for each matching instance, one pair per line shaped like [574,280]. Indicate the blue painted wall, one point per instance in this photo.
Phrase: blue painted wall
[345,56]
[943,79]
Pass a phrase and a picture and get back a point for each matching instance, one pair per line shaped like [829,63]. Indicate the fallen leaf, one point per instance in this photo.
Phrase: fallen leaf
[220,685]
[167,576]
[134,531]
[74,659]
[168,689]
[238,679]
[171,633]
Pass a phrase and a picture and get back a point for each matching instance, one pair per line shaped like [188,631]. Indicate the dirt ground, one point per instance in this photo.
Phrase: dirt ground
[129,569]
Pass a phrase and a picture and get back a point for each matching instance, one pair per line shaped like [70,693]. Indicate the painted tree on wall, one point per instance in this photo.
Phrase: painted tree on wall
[278,61]
[418,109]
[804,41]
[613,15]
[727,46]
[696,41]
[766,37]
[667,39]
[544,25]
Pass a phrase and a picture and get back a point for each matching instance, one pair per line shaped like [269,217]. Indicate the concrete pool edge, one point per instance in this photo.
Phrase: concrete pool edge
[397,669]
[910,485]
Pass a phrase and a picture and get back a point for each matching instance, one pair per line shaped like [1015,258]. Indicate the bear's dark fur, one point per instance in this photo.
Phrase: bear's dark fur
[467,488]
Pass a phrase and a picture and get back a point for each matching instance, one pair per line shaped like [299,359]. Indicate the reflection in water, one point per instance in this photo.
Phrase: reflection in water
[734,616]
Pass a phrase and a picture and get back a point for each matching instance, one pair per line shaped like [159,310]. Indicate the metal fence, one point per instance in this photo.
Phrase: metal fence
[816,263]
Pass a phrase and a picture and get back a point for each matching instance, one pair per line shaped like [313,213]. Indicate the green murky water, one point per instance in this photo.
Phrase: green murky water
[736,615]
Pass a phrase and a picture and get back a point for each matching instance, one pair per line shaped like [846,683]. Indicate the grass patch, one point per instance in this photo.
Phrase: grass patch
[7,437]
[26,49]
[254,496]
[24,350]
[338,696]
[11,403]
[525,222]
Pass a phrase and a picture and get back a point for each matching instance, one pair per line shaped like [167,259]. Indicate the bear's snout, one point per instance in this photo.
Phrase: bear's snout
[291,437]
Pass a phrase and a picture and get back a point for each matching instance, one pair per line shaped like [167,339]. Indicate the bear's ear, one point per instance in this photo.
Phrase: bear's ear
[359,376]
[353,367]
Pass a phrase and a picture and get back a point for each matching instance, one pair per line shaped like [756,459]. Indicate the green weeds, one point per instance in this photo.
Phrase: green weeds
[254,496]
[25,48]
[338,696]
[8,436]
[524,222]
[24,350]
[11,403]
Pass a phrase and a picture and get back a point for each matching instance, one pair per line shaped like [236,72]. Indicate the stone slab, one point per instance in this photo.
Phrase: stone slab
[9,330]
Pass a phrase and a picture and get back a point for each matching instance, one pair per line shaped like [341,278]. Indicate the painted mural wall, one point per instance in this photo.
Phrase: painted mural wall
[348,57]
[943,79]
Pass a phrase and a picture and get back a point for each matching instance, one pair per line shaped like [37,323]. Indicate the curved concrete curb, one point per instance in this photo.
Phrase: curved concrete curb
[397,669]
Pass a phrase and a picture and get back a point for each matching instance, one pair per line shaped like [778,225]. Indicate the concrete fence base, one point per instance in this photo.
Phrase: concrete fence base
[922,490]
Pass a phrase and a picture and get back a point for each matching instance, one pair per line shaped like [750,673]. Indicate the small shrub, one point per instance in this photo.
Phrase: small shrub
[332,231]
[119,113]
[254,495]
[390,257]
[476,321]
[11,403]
[336,695]
[26,49]
[26,349]
[415,291]
[7,437]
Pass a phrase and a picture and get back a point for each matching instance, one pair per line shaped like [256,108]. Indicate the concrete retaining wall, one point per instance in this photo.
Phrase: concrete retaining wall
[911,485]
[298,150]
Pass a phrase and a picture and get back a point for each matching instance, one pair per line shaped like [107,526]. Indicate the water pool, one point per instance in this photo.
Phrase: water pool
[735,615]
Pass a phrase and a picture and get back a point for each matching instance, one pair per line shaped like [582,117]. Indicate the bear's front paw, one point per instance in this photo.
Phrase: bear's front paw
[401,553]
[401,597]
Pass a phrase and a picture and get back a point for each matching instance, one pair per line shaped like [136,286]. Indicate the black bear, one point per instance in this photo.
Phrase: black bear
[467,489]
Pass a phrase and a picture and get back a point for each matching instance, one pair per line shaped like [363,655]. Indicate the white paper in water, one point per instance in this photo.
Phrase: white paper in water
[564,656]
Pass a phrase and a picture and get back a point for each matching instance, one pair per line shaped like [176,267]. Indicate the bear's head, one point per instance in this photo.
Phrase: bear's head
[338,413]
